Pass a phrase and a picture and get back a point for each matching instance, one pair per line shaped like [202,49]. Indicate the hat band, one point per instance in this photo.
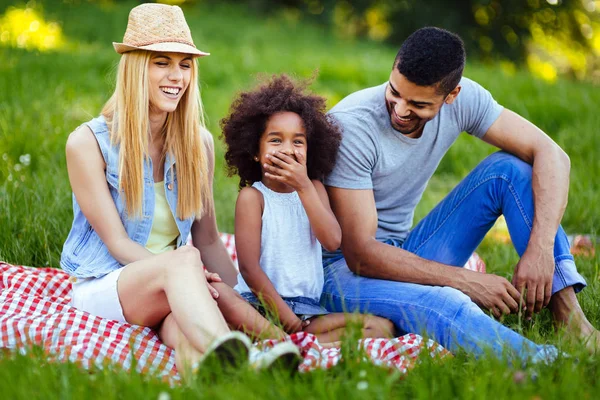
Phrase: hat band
[141,44]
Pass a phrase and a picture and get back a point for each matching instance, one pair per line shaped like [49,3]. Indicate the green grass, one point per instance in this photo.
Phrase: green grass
[45,96]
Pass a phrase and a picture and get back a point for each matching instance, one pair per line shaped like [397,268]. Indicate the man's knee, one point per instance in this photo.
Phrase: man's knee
[507,164]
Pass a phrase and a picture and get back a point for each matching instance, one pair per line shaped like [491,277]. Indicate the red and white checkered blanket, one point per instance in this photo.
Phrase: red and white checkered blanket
[35,310]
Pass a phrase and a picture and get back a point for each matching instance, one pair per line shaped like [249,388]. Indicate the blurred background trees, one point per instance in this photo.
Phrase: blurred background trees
[59,67]
[552,37]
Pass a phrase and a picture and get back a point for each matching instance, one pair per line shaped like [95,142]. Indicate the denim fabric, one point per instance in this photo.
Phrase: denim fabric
[301,306]
[84,255]
[501,184]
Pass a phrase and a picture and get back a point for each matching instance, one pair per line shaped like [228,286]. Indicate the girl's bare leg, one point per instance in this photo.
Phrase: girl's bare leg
[331,327]
[240,315]
[172,284]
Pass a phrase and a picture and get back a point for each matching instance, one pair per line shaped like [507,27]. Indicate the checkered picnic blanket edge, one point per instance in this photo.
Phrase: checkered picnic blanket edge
[35,310]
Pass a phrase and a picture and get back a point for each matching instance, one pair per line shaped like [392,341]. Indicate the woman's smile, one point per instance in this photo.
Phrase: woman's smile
[171,92]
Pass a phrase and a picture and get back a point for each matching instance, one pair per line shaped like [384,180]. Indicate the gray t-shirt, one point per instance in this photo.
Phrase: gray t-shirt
[397,168]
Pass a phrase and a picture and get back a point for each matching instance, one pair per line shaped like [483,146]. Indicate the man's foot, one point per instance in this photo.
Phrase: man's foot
[592,341]
[568,314]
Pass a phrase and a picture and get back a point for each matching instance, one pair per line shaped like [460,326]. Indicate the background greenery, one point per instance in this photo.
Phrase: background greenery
[551,37]
[57,69]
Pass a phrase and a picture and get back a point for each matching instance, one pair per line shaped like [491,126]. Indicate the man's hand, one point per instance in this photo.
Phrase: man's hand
[533,275]
[492,292]
[550,183]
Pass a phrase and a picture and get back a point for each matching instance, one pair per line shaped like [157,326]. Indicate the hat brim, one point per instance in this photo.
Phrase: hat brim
[167,47]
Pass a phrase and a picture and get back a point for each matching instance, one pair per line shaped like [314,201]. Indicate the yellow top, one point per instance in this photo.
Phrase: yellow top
[164,232]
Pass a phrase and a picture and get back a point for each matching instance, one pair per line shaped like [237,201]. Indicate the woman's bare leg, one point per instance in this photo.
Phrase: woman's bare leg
[172,283]
[331,327]
[186,356]
[240,315]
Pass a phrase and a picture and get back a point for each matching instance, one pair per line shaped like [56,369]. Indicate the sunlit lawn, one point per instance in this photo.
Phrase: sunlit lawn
[46,95]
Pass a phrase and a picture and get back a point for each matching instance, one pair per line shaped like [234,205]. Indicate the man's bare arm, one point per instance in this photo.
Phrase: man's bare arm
[357,215]
[550,181]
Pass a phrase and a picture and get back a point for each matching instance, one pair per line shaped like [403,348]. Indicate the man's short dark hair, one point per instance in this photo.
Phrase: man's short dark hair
[432,56]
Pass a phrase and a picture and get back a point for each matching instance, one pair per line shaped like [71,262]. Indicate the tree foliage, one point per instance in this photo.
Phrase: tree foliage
[551,36]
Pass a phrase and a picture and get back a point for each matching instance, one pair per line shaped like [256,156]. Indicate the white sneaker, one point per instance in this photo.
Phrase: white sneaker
[228,351]
[283,356]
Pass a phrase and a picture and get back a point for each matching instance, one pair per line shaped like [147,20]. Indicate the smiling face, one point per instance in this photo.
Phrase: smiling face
[169,76]
[410,106]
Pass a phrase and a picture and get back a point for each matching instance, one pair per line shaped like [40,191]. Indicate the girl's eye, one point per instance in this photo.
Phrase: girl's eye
[299,142]
[274,141]
[186,66]
[161,63]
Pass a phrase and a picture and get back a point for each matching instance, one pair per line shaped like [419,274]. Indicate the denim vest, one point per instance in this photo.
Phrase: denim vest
[84,254]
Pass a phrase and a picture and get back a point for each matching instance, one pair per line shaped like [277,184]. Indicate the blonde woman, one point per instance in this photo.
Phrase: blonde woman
[141,175]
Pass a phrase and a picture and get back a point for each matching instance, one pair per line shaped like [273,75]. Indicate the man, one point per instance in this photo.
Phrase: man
[394,136]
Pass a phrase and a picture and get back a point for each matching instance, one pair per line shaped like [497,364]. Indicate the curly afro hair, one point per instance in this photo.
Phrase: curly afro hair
[432,56]
[247,121]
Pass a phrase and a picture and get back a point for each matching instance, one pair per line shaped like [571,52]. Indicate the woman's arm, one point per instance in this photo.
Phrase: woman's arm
[205,234]
[248,224]
[86,168]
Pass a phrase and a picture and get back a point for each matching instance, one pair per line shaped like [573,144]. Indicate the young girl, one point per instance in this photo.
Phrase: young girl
[141,175]
[281,144]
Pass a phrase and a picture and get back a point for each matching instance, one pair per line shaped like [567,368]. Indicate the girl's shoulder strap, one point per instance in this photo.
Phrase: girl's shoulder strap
[260,187]
[290,199]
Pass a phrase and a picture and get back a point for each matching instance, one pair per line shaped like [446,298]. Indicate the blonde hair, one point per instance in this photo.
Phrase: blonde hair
[127,117]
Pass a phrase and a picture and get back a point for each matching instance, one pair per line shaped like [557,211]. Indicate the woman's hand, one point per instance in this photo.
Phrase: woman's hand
[212,277]
[288,169]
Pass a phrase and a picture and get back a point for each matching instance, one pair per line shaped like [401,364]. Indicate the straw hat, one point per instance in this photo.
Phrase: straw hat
[158,27]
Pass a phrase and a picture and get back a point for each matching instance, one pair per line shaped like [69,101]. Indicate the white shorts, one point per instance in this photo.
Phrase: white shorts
[98,296]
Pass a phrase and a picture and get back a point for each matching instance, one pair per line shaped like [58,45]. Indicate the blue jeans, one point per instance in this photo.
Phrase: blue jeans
[500,184]
[303,307]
